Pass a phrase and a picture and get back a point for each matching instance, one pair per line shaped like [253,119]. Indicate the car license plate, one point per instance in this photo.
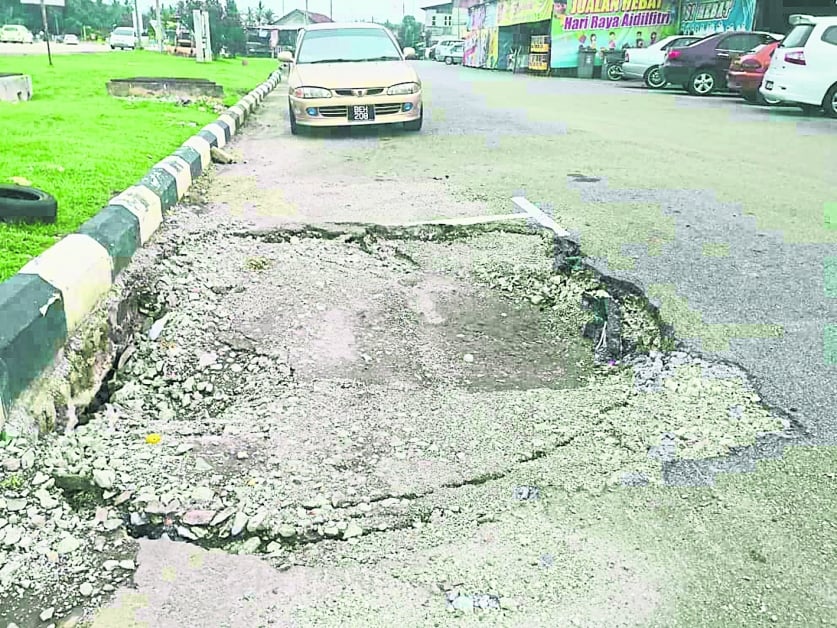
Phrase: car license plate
[768,85]
[361,113]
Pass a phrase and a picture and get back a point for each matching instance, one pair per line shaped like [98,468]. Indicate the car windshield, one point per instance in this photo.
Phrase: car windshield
[347,45]
[123,31]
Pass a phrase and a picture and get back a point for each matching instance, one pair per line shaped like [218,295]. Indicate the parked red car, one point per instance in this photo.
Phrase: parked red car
[746,73]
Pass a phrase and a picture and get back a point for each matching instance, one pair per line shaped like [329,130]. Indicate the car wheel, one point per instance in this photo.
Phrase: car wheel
[654,78]
[763,100]
[703,83]
[415,125]
[25,204]
[750,97]
[448,61]
[829,103]
[614,72]
[294,125]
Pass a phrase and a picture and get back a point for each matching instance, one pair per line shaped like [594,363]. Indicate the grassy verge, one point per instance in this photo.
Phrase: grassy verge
[78,143]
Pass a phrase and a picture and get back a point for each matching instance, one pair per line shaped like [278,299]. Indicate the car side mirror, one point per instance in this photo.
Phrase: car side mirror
[285,57]
[409,53]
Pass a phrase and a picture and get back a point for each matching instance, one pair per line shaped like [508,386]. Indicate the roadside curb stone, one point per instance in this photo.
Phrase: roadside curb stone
[49,298]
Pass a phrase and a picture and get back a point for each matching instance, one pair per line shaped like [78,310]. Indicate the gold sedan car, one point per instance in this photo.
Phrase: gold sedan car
[351,74]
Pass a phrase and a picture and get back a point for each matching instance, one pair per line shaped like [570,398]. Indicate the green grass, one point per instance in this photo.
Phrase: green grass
[83,146]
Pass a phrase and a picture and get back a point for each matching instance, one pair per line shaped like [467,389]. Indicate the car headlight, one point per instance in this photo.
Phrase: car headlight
[311,92]
[403,88]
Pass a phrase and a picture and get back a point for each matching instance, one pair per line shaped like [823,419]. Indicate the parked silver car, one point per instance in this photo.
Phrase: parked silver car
[454,54]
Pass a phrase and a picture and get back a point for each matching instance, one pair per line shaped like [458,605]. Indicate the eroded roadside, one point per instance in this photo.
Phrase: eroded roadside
[382,414]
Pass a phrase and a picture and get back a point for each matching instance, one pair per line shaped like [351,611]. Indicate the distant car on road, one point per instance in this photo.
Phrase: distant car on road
[701,68]
[351,75]
[804,67]
[455,54]
[745,74]
[71,40]
[16,34]
[443,48]
[644,63]
[122,38]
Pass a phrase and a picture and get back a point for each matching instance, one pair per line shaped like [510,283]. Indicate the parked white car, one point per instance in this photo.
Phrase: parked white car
[803,69]
[643,64]
[455,54]
[123,37]
[71,40]
[16,34]
[442,49]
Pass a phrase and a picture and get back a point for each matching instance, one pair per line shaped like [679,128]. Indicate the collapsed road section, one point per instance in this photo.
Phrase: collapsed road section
[307,393]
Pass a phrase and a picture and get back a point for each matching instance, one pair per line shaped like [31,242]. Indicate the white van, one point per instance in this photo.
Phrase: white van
[803,69]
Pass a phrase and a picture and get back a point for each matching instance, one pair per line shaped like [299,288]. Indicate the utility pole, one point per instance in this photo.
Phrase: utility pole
[46,30]
[306,11]
[331,10]
[159,28]
[138,24]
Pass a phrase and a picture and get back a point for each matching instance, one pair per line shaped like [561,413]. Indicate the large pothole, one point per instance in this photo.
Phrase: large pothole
[329,384]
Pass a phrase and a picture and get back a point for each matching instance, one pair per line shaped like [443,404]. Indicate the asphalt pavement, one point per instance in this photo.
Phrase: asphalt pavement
[736,244]
[40,48]
[380,425]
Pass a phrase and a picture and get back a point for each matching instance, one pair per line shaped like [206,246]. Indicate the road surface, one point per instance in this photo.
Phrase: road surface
[334,418]
[40,48]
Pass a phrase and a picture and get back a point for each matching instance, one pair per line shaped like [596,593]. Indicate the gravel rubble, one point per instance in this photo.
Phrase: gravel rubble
[229,423]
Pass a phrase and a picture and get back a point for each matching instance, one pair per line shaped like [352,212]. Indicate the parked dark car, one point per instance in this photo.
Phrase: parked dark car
[701,68]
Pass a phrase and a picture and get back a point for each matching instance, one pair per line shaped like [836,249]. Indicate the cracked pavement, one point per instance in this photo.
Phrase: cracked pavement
[326,424]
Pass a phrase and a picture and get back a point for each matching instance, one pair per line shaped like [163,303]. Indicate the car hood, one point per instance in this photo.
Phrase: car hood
[348,75]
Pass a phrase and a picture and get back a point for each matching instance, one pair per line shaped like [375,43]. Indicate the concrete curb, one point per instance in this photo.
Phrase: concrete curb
[49,298]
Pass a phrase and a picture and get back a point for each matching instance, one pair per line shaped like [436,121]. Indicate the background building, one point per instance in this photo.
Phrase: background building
[772,15]
[443,20]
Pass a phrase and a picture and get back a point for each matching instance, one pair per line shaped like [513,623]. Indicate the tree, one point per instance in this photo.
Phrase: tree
[224,23]
[232,30]
[409,33]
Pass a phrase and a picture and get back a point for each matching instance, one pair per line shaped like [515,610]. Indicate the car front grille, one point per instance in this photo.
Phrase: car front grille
[334,112]
[388,109]
[370,91]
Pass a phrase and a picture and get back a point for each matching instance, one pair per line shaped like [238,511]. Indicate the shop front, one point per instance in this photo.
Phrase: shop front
[502,33]
[585,27]
[555,35]
[705,18]
[482,43]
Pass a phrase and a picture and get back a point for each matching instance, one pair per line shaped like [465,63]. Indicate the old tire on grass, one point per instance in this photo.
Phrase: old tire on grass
[24,204]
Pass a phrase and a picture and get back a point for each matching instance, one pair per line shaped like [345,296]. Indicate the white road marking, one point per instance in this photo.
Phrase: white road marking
[539,216]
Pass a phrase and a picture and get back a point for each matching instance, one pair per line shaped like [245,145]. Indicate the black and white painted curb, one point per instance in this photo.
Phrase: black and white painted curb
[47,300]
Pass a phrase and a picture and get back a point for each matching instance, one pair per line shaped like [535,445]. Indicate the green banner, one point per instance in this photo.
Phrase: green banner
[609,25]
[510,12]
